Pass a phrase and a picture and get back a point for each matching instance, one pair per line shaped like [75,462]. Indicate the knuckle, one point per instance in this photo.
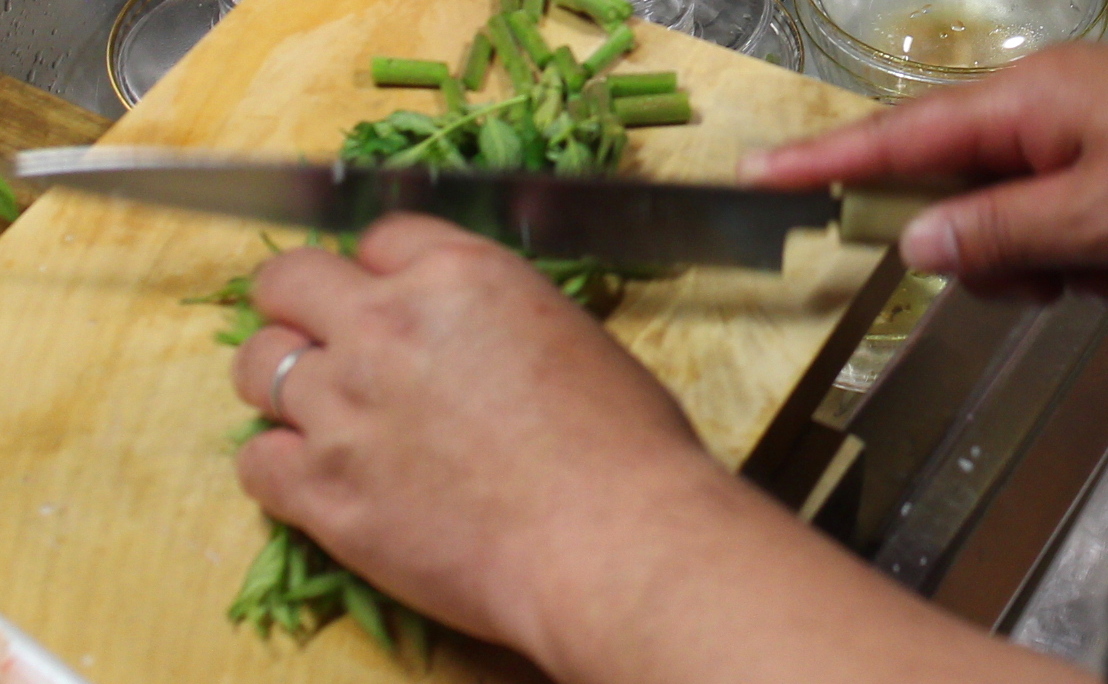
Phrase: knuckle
[1086,219]
[985,237]
[464,262]
[291,267]
[336,472]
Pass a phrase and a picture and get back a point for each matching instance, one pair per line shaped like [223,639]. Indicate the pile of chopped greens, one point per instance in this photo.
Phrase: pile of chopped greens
[565,117]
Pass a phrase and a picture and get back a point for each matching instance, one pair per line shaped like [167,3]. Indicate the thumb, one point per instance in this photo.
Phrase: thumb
[1051,222]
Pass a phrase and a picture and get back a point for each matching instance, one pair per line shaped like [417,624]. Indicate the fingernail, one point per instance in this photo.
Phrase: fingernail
[752,167]
[928,244]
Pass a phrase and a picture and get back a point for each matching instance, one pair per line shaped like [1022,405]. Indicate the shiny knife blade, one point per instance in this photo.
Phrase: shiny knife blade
[619,221]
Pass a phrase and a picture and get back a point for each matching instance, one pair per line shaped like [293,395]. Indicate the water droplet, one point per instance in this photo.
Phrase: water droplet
[958,26]
[923,561]
[896,568]
[965,465]
[906,508]
[975,451]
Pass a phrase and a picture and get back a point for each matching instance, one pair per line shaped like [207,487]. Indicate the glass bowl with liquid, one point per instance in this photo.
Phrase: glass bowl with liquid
[894,49]
[149,37]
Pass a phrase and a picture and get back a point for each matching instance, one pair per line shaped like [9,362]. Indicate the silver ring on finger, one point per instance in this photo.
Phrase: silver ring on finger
[284,367]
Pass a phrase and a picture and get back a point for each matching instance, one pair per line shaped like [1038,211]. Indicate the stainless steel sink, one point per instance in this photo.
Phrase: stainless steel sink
[61,46]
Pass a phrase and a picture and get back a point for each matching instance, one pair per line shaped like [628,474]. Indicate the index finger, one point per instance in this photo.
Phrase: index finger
[1001,125]
[308,289]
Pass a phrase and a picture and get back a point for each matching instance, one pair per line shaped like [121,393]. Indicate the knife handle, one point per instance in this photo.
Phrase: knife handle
[878,214]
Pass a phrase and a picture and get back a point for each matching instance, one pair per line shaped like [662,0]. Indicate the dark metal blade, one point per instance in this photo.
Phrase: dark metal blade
[623,222]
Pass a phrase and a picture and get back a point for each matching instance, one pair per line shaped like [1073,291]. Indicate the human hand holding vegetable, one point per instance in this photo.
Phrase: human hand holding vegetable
[1038,130]
[450,378]
[474,444]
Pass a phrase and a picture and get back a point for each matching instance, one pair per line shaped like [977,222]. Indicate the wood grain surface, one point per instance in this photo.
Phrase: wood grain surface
[123,533]
[30,118]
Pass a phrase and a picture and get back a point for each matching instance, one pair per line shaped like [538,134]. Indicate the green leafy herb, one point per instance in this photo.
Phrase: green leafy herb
[559,121]
[500,145]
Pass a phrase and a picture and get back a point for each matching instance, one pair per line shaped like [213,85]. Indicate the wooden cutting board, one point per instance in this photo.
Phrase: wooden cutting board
[30,118]
[123,535]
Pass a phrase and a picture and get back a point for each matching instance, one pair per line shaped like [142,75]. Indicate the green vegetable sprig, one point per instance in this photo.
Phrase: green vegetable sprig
[565,117]
[293,584]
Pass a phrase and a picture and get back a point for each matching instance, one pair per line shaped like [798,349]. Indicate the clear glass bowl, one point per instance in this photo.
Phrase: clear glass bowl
[893,49]
[149,37]
[673,14]
[759,28]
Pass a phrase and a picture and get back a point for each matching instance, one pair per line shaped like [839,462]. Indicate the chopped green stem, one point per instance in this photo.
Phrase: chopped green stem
[477,62]
[505,44]
[392,71]
[653,110]
[507,6]
[527,34]
[535,9]
[620,41]
[455,95]
[572,72]
[603,12]
[655,83]
[472,116]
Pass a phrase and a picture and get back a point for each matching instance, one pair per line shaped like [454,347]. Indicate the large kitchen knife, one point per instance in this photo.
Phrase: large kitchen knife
[619,221]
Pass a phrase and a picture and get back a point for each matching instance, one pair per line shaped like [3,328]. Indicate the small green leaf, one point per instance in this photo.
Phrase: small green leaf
[372,142]
[576,284]
[9,209]
[319,586]
[266,573]
[447,156]
[575,159]
[415,123]
[246,321]
[348,244]
[268,241]
[235,291]
[409,157]
[297,573]
[559,129]
[413,631]
[245,432]
[287,615]
[500,145]
[549,98]
[361,602]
